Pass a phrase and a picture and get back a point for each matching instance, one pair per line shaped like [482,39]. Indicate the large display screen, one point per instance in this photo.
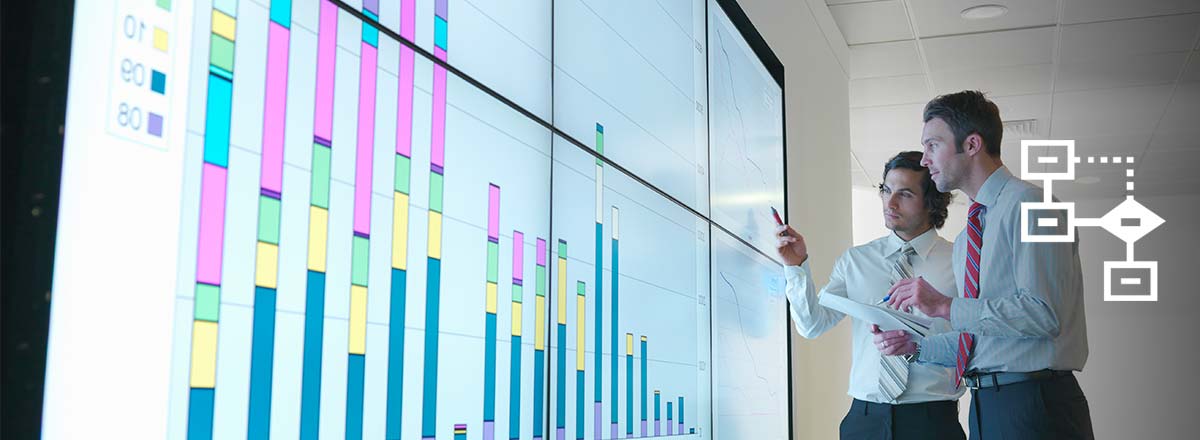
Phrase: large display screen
[432,219]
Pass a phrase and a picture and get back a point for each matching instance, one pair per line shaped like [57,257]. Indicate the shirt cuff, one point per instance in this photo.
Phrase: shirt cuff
[965,312]
[939,349]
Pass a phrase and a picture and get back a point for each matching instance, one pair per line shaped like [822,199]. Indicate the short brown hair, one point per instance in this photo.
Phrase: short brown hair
[968,112]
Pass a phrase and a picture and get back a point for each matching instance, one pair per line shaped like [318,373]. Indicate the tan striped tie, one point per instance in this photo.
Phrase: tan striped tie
[893,377]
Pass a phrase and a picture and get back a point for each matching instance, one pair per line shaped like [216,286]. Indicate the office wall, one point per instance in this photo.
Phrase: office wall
[804,36]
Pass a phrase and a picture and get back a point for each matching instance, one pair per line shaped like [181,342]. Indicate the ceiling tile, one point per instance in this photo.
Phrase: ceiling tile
[1147,35]
[908,89]
[872,22]
[1123,144]
[1171,163]
[1108,111]
[944,17]
[996,81]
[1120,71]
[1176,139]
[1080,11]
[1016,108]
[1184,110]
[885,59]
[992,49]
[886,128]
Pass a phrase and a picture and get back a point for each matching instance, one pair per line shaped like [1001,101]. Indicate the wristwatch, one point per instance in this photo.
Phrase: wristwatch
[912,357]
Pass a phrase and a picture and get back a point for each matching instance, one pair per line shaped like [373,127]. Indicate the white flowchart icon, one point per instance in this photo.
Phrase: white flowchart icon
[1128,280]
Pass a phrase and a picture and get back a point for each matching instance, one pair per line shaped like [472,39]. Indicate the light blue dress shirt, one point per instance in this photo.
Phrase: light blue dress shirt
[1029,313]
[864,274]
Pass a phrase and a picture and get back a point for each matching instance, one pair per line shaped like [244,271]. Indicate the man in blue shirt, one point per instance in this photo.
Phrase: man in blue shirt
[1019,329]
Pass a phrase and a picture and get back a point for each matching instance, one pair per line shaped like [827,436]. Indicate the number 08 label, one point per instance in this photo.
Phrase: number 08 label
[138,72]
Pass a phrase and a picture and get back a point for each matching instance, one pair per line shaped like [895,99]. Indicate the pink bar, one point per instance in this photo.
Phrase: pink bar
[275,108]
[541,252]
[326,58]
[493,211]
[404,112]
[212,224]
[518,255]
[366,139]
[437,155]
[408,19]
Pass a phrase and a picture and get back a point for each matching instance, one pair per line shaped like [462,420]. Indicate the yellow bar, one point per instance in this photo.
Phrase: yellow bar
[358,319]
[580,348]
[491,297]
[266,265]
[224,25]
[204,354]
[629,344]
[539,329]
[160,39]
[643,339]
[562,290]
[318,226]
[516,319]
[435,234]
[400,231]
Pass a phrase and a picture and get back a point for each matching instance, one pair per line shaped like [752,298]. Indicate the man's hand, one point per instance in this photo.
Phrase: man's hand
[790,245]
[894,342]
[917,293]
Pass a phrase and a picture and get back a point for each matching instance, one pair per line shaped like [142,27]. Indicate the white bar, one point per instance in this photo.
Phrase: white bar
[1047,222]
[1048,159]
[1129,172]
[599,193]
[1131,281]
[1129,186]
[616,223]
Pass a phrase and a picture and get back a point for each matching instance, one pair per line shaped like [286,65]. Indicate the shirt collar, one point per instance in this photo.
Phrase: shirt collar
[990,191]
[922,243]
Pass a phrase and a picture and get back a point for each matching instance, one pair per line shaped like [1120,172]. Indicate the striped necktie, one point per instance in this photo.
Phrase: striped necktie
[966,341]
[894,369]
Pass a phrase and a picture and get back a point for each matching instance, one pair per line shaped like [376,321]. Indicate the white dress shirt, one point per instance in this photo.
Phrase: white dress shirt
[1029,313]
[864,274]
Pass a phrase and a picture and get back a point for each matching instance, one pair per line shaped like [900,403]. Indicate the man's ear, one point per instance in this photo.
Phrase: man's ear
[973,144]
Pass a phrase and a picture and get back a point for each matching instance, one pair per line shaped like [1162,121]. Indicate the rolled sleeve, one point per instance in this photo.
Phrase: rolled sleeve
[939,349]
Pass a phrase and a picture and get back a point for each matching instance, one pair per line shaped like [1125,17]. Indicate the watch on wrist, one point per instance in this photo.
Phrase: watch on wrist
[912,357]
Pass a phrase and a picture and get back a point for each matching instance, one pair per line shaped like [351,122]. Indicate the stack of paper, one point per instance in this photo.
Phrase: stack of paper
[882,315]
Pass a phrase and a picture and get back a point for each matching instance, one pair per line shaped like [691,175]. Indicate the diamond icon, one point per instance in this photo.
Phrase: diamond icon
[1130,220]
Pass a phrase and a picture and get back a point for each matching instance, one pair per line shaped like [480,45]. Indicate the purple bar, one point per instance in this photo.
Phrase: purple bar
[562,433]
[643,428]
[322,141]
[541,252]
[440,7]
[489,430]
[599,421]
[154,127]
[681,428]
[518,257]
[269,193]
[371,5]
[437,169]
[670,430]
[275,107]
[493,211]
[613,432]
[657,428]
[366,139]
[362,234]
[326,54]
[212,224]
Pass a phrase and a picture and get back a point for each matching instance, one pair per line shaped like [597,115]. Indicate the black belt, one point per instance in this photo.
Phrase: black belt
[985,380]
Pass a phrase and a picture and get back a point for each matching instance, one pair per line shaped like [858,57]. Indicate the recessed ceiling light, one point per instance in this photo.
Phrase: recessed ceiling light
[1088,180]
[983,12]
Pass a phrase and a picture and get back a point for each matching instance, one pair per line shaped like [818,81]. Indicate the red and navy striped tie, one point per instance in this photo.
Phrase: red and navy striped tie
[966,341]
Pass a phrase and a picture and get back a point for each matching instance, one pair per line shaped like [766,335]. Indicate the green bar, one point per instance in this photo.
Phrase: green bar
[403,170]
[540,276]
[580,288]
[358,262]
[268,219]
[517,293]
[599,144]
[435,192]
[221,53]
[493,262]
[207,304]
[165,5]
[562,249]
[320,176]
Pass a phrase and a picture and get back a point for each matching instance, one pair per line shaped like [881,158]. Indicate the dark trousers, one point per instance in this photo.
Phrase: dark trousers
[881,421]
[1051,408]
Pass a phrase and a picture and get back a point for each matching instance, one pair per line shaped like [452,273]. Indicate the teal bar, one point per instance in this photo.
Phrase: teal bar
[281,12]
[439,32]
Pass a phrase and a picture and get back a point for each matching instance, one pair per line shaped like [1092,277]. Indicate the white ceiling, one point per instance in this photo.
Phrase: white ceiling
[1118,76]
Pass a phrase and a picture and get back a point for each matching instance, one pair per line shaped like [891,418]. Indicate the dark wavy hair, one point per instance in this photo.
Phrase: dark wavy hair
[936,202]
[968,112]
